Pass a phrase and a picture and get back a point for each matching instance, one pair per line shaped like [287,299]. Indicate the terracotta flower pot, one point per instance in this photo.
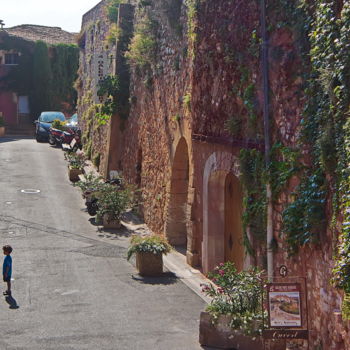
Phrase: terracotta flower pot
[220,335]
[108,223]
[73,174]
[2,131]
[149,264]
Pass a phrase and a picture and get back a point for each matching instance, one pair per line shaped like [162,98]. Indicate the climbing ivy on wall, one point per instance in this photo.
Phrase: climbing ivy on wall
[192,10]
[252,166]
[45,74]
[108,90]
[42,94]
[142,49]
[322,30]
[113,10]
[64,66]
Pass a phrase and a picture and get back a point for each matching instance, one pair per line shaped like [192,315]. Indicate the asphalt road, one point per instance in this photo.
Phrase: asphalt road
[73,287]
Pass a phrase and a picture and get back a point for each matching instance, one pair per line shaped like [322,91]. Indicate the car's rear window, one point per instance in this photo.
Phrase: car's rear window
[49,117]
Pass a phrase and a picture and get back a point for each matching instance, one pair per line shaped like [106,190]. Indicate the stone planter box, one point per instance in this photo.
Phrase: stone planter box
[107,223]
[149,264]
[2,131]
[221,336]
[73,174]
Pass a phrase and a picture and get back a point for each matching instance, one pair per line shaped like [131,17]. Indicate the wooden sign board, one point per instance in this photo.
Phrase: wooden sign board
[284,305]
[285,334]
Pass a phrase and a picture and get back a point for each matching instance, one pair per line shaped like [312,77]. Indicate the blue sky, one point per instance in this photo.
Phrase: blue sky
[66,14]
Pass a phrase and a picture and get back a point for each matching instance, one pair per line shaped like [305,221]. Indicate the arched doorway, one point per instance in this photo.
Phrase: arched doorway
[176,220]
[222,213]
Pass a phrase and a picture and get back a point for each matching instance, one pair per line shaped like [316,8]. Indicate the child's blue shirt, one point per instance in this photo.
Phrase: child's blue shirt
[7,263]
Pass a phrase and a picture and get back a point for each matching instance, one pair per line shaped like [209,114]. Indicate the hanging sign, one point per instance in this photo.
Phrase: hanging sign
[284,305]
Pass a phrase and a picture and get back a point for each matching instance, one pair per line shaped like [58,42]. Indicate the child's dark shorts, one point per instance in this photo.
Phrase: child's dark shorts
[7,279]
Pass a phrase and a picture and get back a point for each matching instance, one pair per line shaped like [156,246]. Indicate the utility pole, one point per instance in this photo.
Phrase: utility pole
[266,110]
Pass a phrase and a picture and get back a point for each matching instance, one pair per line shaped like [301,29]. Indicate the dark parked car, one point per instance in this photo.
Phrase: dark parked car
[43,124]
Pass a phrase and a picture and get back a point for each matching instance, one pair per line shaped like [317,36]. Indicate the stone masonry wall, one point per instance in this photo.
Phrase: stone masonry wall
[193,98]
[157,118]
[96,61]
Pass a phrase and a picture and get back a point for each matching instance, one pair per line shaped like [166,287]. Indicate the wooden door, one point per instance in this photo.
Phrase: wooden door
[234,250]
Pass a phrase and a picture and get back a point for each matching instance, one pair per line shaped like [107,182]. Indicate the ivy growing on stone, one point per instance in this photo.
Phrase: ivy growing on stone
[45,74]
[325,27]
[143,45]
[253,175]
[108,89]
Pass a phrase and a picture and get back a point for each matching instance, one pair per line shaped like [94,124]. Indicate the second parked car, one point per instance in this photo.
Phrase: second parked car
[43,124]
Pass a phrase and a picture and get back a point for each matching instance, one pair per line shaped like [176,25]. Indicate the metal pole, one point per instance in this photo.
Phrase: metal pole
[265,69]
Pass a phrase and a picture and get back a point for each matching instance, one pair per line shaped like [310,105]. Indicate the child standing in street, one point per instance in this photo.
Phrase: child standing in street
[7,268]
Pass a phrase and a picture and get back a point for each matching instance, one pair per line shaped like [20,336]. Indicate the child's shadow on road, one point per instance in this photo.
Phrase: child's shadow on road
[12,302]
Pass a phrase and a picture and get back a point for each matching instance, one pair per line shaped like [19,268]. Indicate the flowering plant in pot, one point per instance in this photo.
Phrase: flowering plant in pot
[59,125]
[112,202]
[76,163]
[149,252]
[236,301]
[91,183]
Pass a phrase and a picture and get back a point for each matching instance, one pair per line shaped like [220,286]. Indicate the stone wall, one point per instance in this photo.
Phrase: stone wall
[157,118]
[96,62]
[177,132]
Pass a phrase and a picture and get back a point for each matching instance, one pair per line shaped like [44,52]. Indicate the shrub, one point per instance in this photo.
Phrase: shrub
[142,48]
[237,294]
[112,202]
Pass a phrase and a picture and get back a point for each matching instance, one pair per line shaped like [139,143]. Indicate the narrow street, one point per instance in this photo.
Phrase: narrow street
[73,287]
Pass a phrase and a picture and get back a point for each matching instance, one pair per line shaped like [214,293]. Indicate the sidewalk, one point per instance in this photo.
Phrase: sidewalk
[175,262]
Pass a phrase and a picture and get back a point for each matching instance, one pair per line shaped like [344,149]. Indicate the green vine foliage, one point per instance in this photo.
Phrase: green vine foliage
[45,74]
[113,10]
[341,276]
[253,180]
[284,163]
[64,66]
[192,10]
[108,89]
[254,177]
[143,46]
[304,219]
[322,31]
[42,94]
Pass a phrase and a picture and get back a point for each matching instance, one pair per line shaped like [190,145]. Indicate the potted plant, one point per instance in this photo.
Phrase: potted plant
[2,126]
[149,252]
[112,202]
[234,319]
[76,163]
[59,125]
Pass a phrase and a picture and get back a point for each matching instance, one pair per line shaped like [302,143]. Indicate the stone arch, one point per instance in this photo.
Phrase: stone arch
[222,210]
[176,213]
